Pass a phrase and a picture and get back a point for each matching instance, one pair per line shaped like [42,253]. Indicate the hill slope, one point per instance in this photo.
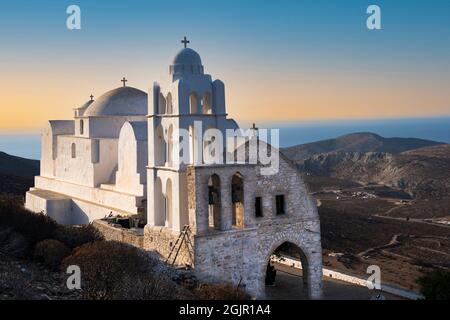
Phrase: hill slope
[424,172]
[16,174]
[357,142]
[18,166]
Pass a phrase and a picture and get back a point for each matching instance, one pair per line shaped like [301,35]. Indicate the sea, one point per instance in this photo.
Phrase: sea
[27,145]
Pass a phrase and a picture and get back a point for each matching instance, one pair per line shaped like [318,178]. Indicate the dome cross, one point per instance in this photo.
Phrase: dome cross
[185,41]
[124,81]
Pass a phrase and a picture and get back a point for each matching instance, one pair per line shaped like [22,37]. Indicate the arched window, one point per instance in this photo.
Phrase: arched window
[81,127]
[214,202]
[160,147]
[237,199]
[193,103]
[206,103]
[73,150]
[169,106]
[161,104]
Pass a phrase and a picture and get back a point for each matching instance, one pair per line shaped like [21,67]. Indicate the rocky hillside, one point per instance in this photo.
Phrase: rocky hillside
[357,142]
[16,174]
[423,172]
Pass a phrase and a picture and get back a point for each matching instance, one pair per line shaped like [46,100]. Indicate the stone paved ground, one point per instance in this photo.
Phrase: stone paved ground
[289,286]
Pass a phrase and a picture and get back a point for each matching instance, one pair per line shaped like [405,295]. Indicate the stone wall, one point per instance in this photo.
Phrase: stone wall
[163,240]
[111,232]
[241,256]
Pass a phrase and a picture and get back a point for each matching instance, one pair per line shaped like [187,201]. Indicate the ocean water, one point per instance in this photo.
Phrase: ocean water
[292,133]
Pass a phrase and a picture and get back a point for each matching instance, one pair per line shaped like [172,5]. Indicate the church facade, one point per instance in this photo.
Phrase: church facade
[120,155]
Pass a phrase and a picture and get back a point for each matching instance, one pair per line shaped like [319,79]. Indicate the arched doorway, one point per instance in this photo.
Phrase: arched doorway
[287,273]
[237,199]
[214,202]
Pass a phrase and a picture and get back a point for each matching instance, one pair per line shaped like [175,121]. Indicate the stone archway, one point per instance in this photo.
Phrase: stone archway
[311,278]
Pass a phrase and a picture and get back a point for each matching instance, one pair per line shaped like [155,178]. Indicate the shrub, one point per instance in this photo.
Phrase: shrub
[75,236]
[51,252]
[220,291]
[115,270]
[436,285]
[34,227]
[12,243]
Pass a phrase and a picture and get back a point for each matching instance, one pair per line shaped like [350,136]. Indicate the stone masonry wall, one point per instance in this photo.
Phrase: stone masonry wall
[163,239]
[110,232]
[240,255]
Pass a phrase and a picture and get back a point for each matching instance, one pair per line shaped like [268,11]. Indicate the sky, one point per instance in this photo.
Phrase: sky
[280,60]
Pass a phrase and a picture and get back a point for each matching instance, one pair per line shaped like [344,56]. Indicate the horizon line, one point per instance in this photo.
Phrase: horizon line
[280,123]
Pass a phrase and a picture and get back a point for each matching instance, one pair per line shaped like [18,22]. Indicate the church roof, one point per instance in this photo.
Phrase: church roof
[187,56]
[123,101]
[85,105]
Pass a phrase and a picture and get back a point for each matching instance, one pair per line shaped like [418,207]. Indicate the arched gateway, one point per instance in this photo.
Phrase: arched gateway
[311,274]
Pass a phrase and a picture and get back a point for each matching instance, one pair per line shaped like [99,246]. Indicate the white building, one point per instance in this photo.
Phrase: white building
[120,155]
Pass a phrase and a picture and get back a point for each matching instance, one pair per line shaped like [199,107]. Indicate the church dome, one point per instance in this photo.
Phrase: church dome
[123,101]
[187,56]
[186,62]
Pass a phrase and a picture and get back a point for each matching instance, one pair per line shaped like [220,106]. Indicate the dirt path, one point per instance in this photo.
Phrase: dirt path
[411,220]
[391,243]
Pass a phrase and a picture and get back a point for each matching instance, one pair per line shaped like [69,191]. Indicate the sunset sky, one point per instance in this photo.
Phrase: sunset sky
[280,60]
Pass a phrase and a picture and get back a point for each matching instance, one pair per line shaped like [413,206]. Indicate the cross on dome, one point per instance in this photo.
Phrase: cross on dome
[124,81]
[185,41]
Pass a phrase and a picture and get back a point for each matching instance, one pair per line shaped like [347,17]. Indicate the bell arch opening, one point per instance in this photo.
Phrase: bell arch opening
[160,147]
[193,103]
[161,104]
[214,202]
[169,105]
[206,103]
[159,203]
[237,199]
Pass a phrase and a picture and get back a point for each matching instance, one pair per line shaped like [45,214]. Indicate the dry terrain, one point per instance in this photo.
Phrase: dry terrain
[382,201]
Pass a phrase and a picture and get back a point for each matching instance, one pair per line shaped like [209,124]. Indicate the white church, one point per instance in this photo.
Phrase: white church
[118,157]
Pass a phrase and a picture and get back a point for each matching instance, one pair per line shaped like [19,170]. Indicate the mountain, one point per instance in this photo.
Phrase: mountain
[423,172]
[357,142]
[18,166]
[16,174]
